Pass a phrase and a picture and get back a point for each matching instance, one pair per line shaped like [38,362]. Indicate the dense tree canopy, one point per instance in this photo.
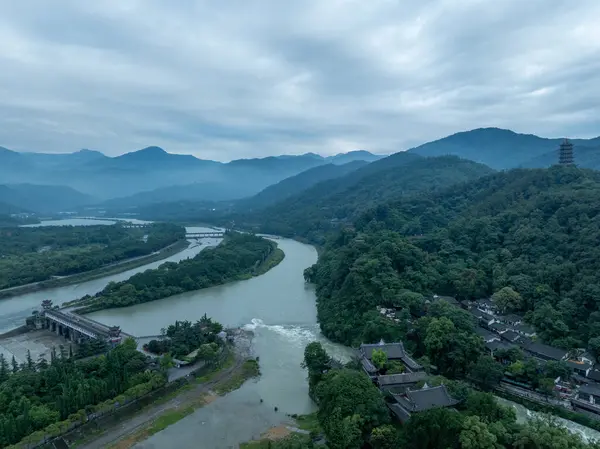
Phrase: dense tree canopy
[238,256]
[530,236]
[38,253]
[38,395]
[183,337]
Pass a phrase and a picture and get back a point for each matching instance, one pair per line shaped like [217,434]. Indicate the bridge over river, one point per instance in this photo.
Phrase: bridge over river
[201,235]
[75,327]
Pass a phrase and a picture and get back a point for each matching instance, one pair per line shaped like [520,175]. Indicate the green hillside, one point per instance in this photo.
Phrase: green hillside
[536,231]
[328,205]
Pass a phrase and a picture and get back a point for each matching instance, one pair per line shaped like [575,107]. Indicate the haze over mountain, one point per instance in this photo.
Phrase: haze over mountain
[41,198]
[502,148]
[152,169]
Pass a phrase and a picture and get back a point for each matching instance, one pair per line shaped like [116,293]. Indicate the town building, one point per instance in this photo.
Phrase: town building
[587,400]
[393,352]
[545,352]
[415,401]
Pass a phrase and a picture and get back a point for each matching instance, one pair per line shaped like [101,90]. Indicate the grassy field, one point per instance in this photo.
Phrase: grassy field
[249,370]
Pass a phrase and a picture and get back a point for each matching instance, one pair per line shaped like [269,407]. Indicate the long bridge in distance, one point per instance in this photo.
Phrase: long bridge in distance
[200,235]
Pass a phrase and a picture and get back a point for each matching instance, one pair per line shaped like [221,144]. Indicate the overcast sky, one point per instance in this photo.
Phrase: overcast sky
[246,78]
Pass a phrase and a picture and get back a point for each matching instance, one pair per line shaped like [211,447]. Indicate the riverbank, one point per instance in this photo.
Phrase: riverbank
[192,393]
[238,257]
[98,273]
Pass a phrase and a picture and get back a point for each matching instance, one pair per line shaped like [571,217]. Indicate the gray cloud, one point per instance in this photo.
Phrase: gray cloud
[225,80]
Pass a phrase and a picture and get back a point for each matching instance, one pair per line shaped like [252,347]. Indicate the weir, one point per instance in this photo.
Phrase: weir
[75,327]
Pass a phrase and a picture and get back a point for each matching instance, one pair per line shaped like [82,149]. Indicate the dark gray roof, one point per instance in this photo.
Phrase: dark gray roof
[396,379]
[590,389]
[578,365]
[511,318]
[485,334]
[448,299]
[594,375]
[481,315]
[392,350]
[367,365]
[510,335]
[545,350]
[402,414]
[495,345]
[524,328]
[425,399]
[498,327]
[488,303]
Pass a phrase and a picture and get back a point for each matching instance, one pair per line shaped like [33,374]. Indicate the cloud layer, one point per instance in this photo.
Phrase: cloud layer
[225,80]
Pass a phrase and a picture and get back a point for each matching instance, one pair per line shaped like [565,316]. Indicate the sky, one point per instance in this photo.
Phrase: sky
[235,79]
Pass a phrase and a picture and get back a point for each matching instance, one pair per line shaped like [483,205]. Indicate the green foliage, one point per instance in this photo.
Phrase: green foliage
[37,398]
[533,231]
[183,337]
[486,372]
[317,211]
[36,254]
[238,256]
[507,300]
[476,435]
[379,358]
[434,429]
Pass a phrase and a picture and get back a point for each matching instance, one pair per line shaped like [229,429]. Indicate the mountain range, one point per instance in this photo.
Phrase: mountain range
[150,170]
[504,149]
[149,176]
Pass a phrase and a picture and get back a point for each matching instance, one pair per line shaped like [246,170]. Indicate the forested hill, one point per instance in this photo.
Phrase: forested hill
[322,208]
[536,231]
[296,184]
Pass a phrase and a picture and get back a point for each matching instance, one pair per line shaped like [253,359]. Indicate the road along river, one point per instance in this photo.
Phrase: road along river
[279,307]
[14,310]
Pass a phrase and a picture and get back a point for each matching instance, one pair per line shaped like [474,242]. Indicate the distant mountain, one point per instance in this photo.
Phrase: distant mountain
[298,183]
[153,169]
[311,213]
[497,148]
[359,155]
[41,198]
[587,157]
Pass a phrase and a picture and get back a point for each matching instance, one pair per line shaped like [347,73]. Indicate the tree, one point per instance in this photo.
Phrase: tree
[379,358]
[546,386]
[507,300]
[345,393]
[487,372]
[434,429]
[486,407]
[3,368]
[29,361]
[15,365]
[594,347]
[166,362]
[316,360]
[476,435]
[385,437]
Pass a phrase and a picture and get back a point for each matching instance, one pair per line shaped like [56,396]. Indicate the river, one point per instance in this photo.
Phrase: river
[14,310]
[279,307]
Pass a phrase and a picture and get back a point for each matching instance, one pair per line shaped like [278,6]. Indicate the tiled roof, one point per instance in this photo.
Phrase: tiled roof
[510,335]
[590,389]
[594,375]
[406,378]
[425,399]
[392,350]
[547,351]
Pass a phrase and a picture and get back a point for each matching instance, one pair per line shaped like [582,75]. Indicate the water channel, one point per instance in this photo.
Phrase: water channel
[279,307]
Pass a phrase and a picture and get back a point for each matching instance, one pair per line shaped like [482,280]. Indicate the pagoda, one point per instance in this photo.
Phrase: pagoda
[565,156]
